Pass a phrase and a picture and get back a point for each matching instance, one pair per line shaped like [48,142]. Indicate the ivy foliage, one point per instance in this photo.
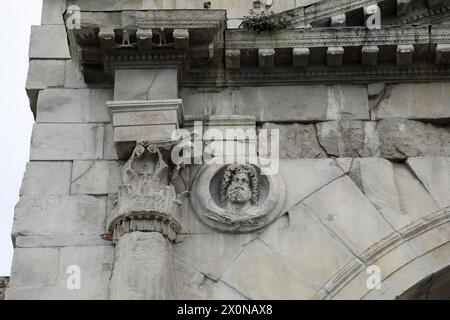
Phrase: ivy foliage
[263,21]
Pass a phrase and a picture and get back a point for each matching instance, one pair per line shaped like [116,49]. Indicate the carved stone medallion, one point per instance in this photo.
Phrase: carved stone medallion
[237,197]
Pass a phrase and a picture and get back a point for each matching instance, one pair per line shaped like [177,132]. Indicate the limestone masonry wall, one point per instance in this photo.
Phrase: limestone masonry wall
[366,168]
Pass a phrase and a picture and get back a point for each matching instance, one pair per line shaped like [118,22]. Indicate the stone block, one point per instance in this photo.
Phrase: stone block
[95,265]
[96,177]
[214,258]
[74,79]
[422,243]
[109,152]
[414,101]
[279,103]
[408,276]
[60,215]
[296,141]
[49,42]
[343,208]
[402,139]
[394,191]
[46,178]
[72,106]
[192,285]
[391,139]
[43,74]
[306,243]
[52,12]
[274,279]
[61,241]
[351,139]
[66,142]
[148,84]
[117,5]
[37,267]
[303,177]
[434,174]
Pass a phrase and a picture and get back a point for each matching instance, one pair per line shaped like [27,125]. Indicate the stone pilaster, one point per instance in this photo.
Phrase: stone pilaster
[143,225]
[145,114]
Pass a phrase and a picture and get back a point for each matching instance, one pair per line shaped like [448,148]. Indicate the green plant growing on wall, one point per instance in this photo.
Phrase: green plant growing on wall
[261,22]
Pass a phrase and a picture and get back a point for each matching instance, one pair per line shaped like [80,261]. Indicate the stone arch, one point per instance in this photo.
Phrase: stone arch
[409,259]
[342,216]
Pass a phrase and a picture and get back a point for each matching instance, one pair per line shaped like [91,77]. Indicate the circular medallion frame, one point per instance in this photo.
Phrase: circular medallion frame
[208,203]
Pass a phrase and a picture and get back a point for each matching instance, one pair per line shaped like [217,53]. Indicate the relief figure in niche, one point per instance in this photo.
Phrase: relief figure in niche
[239,191]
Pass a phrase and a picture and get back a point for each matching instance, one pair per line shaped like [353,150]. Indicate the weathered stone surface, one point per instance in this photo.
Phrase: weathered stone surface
[212,259]
[236,9]
[296,141]
[46,178]
[407,276]
[95,263]
[434,173]
[67,142]
[414,101]
[306,244]
[403,139]
[280,104]
[96,177]
[73,77]
[60,215]
[49,42]
[347,138]
[65,105]
[274,279]
[109,149]
[344,163]
[193,285]
[343,208]
[142,268]
[391,139]
[53,272]
[37,267]
[303,177]
[52,11]
[393,190]
[149,84]
[61,241]
[43,74]
[115,5]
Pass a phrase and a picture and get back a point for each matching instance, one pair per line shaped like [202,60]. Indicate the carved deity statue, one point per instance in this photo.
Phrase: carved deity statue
[239,188]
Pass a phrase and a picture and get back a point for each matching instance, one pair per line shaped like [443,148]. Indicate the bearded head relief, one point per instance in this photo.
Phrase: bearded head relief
[239,187]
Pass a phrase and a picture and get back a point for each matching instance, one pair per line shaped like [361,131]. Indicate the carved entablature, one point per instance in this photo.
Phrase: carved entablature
[393,12]
[164,38]
[147,200]
[367,42]
[237,198]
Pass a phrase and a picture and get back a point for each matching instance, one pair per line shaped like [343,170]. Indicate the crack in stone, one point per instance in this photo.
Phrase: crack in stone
[424,186]
[84,173]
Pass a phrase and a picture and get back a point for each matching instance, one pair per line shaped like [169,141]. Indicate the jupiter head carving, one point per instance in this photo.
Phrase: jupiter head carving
[239,187]
[237,197]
